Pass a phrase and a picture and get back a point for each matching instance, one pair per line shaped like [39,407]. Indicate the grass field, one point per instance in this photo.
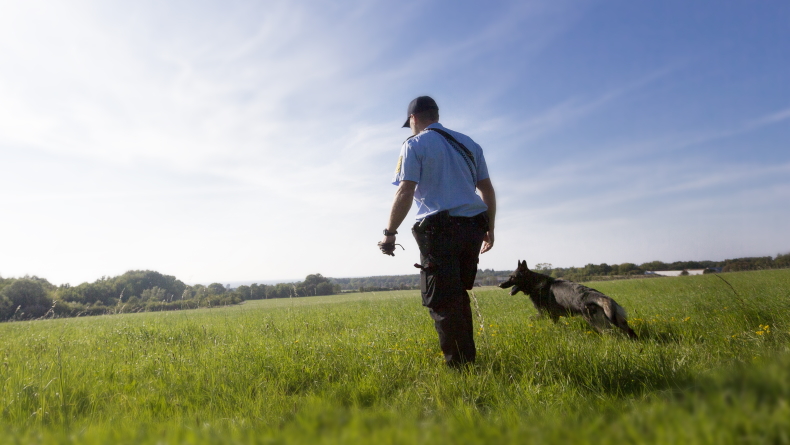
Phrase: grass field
[712,366]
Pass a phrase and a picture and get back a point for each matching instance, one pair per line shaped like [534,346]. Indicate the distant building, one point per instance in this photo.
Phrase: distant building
[674,273]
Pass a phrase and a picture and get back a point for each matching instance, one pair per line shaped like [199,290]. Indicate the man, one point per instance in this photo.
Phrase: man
[441,170]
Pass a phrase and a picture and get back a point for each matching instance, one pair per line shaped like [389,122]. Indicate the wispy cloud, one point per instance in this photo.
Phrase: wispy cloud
[275,108]
[165,126]
[570,110]
[770,119]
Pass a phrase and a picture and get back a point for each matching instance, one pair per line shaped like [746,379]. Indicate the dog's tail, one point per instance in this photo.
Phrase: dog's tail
[616,315]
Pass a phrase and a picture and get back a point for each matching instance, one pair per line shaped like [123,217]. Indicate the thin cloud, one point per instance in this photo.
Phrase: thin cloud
[191,131]
[770,119]
[567,112]
[607,160]
[645,186]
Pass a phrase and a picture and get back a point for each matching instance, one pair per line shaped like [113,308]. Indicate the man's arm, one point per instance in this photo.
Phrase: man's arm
[489,198]
[400,207]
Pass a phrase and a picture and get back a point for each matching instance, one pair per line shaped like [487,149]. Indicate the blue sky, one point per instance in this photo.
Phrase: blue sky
[230,141]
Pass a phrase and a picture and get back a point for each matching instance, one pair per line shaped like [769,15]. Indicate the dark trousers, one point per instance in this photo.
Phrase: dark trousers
[453,323]
[449,251]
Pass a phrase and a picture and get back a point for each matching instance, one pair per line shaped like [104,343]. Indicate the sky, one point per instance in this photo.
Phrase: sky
[256,140]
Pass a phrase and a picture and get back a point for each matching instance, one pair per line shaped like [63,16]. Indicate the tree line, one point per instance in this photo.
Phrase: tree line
[627,270]
[144,290]
[137,291]
[590,272]
[379,283]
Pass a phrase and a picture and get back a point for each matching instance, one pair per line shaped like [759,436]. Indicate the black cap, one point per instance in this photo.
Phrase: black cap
[419,104]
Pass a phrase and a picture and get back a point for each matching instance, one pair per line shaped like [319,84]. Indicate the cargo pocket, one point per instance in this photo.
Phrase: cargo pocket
[428,283]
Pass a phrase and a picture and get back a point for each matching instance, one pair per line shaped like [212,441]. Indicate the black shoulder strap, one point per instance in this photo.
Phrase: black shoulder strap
[462,150]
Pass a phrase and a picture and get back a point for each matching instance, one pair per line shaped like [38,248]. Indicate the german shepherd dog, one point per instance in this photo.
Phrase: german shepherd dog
[555,298]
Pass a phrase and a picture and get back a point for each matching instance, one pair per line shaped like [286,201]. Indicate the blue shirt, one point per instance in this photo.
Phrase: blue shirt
[443,179]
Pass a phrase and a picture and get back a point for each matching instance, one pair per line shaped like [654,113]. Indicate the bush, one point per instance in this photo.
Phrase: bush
[216,289]
[325,288]
[156,293]
[737,266]
[782,261]
[68,309]
[26,295]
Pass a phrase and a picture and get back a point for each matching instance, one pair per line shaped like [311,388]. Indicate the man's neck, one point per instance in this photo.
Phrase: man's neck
[420,127]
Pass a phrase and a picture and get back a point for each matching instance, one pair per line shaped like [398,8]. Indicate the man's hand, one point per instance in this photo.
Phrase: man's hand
[488,241]
[387,245]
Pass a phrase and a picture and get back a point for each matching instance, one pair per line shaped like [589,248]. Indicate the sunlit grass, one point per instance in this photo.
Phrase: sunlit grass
[711,365]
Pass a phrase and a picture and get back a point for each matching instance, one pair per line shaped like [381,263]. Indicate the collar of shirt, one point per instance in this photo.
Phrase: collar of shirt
[435,125]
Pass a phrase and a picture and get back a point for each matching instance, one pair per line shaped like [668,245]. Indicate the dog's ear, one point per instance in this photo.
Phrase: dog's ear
[522,265]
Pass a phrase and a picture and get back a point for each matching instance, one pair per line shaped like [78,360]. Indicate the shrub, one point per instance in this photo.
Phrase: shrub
[27,295]
[156,293]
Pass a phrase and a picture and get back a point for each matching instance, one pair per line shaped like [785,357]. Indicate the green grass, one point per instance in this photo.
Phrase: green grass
[712,366]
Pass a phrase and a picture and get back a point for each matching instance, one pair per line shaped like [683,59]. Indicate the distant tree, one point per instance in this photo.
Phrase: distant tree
[244,292]
[325,288]
[684,273]
[737,266]
[311,283]
[197,291]
[544,268]
[280,290]
[134,282]
[629,269]
[593,270]
[215,289]
[156,293]
[782,260]
[28,296]
[99,291]
[258,291]
[654,265]
[110,291]
[69,294]
[6,307]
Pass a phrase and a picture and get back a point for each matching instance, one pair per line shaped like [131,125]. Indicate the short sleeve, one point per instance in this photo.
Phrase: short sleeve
[482,168]
[408,167]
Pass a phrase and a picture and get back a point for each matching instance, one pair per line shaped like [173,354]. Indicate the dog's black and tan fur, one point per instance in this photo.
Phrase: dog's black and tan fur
[556,298]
